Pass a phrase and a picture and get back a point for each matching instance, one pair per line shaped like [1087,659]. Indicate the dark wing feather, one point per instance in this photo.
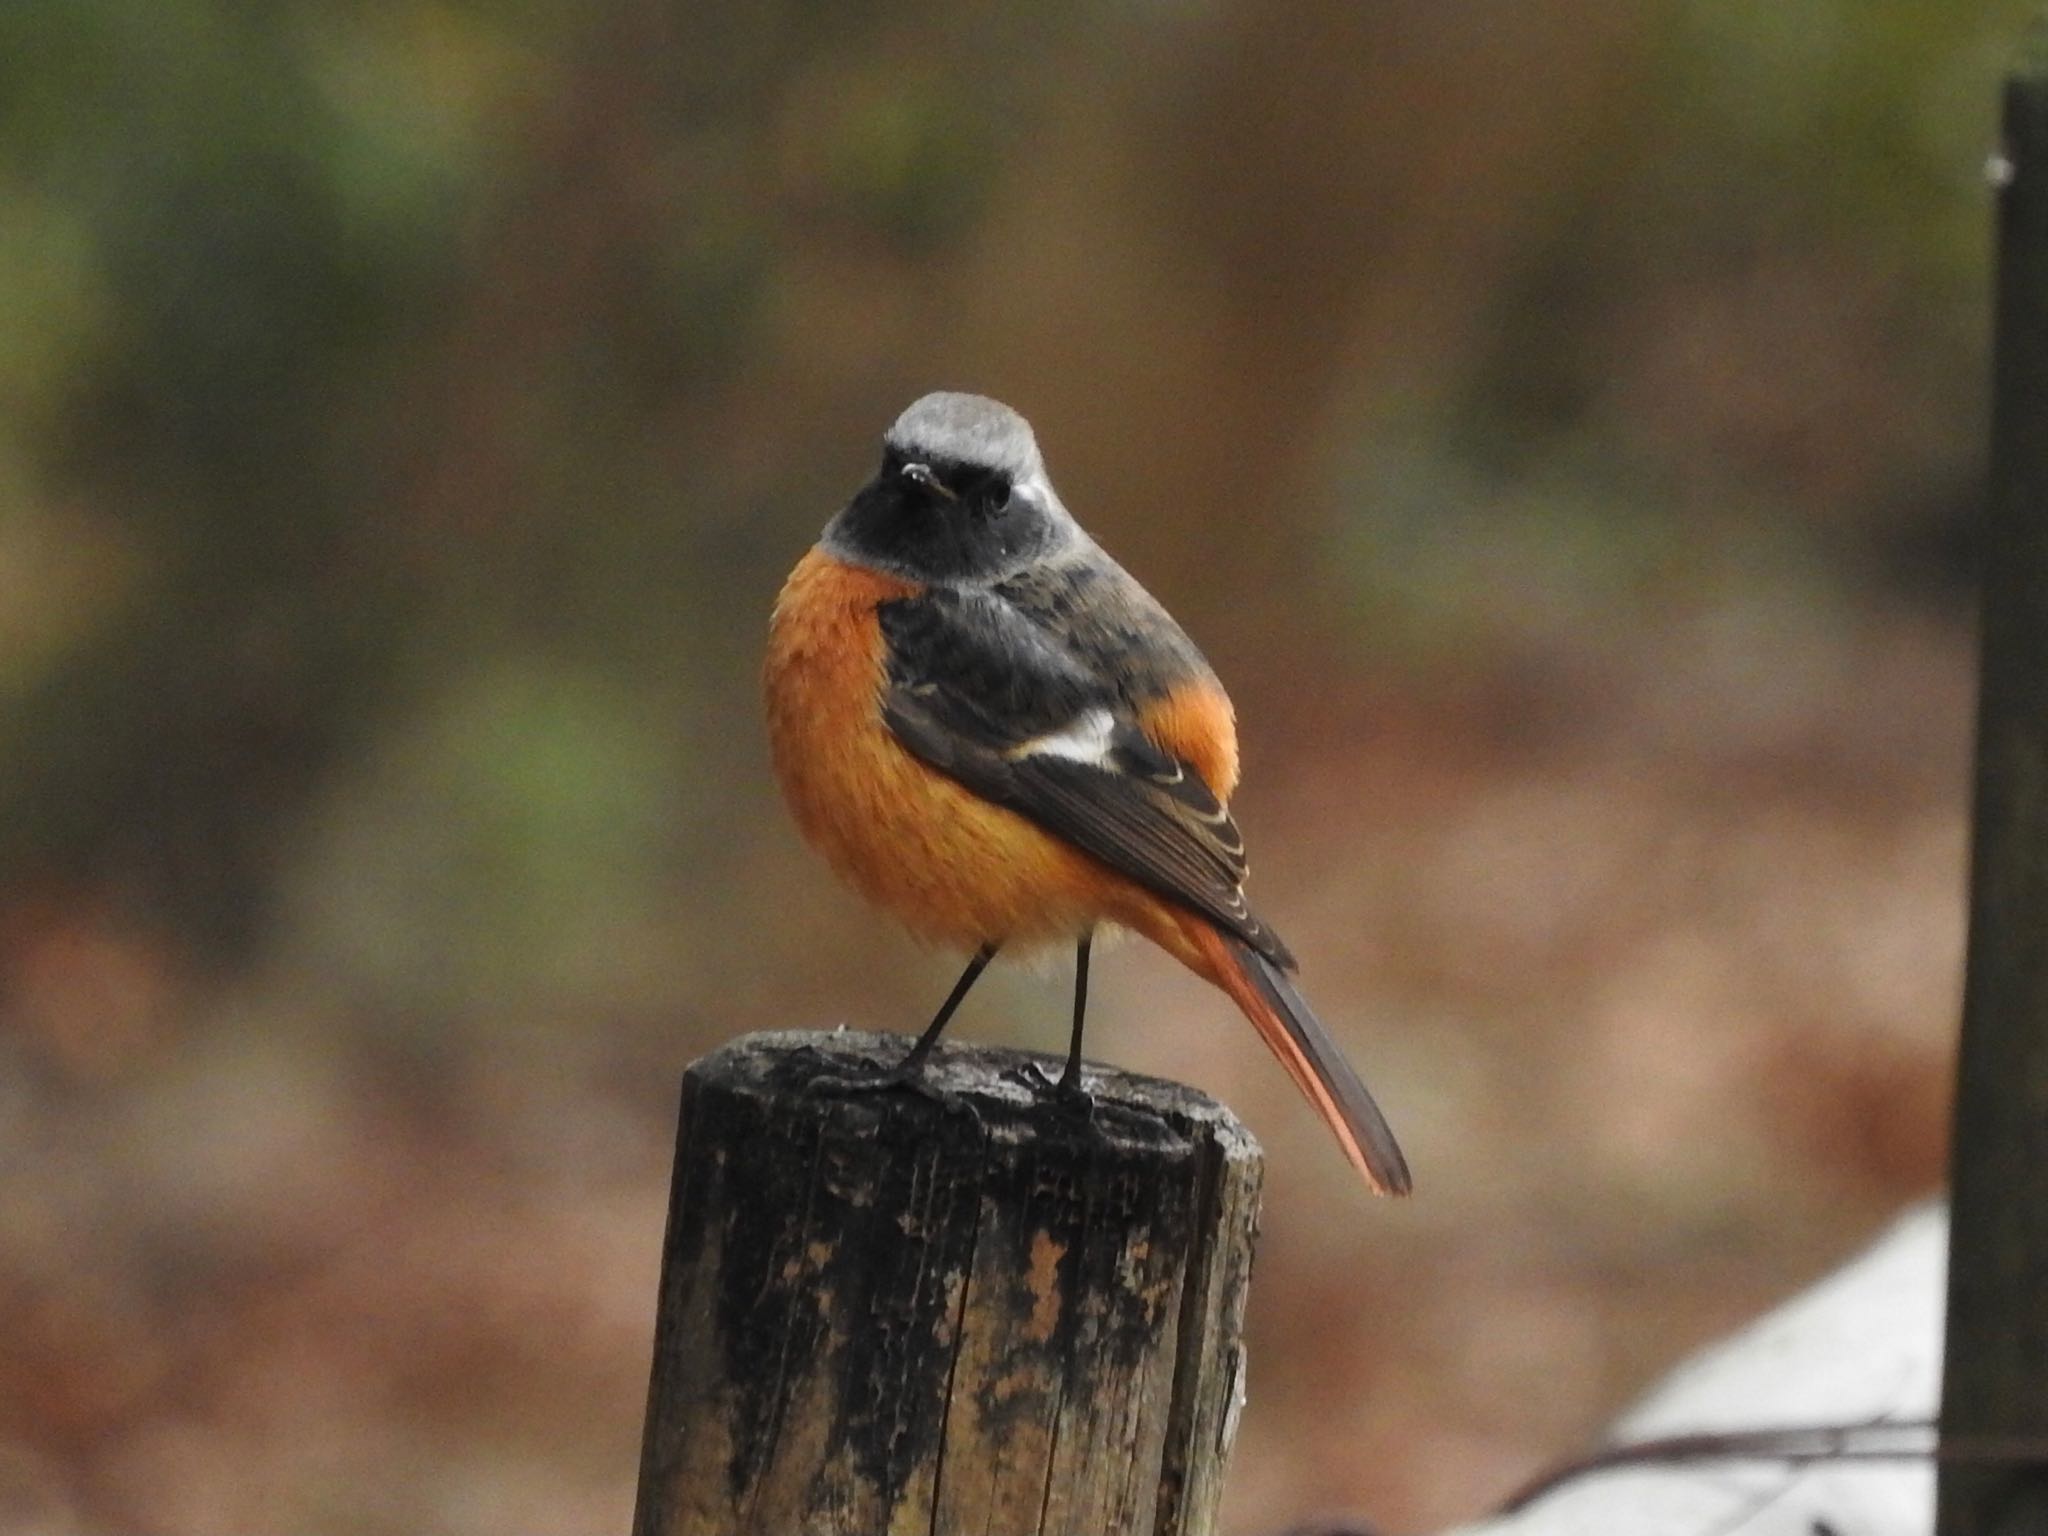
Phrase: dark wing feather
[972,682]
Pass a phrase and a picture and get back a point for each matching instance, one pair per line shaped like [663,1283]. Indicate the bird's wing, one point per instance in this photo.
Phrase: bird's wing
[985,695]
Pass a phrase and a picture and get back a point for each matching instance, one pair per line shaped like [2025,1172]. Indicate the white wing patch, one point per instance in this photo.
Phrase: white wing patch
[1084,740]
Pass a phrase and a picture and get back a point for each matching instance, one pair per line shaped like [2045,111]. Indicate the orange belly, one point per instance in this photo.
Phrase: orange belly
[955,868]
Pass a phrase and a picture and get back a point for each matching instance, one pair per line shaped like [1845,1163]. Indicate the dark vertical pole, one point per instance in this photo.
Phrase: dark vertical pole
[1997,1372]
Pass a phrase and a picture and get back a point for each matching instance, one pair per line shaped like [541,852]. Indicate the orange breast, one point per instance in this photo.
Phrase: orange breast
[955,868]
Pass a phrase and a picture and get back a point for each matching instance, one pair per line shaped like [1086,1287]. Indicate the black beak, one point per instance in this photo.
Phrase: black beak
[922,474]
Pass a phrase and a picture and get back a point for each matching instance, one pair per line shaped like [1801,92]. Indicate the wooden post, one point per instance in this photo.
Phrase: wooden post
[881,1314]
[1996,1376]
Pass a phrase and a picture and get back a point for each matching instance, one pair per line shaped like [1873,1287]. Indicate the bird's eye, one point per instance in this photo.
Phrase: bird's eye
[995,493]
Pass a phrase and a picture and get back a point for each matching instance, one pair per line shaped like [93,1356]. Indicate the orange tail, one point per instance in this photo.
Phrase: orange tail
[1306,1050]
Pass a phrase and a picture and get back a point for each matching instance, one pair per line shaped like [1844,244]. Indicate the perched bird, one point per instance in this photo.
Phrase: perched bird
[990,729]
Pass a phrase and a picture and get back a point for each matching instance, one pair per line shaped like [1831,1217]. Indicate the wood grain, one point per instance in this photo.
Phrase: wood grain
[881,1314]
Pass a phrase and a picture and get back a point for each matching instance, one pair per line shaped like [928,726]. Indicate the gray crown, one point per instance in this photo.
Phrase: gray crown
[969,429]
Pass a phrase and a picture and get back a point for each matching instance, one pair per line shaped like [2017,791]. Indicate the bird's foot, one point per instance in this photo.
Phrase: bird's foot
[908,1074]
[1064,1092]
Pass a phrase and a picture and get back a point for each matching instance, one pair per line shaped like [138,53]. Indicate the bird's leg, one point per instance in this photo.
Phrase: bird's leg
[1069,1086]
[909,1072]
[1068,1090]
[912,1065]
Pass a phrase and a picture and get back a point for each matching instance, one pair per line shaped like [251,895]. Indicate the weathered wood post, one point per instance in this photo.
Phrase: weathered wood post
[1996,1377]
[883,1313]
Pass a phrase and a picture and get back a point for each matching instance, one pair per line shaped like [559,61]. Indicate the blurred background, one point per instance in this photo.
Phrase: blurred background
[1560,424]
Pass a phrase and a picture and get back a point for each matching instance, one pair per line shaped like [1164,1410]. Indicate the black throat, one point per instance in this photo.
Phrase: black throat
[972,525]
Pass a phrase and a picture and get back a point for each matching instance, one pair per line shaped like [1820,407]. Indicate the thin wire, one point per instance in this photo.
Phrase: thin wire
[1792,1445]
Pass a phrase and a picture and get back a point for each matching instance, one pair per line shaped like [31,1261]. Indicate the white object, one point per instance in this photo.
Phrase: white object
[1861,1347]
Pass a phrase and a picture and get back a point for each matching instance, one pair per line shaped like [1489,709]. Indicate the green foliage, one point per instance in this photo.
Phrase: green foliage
[217,219]
[337,341]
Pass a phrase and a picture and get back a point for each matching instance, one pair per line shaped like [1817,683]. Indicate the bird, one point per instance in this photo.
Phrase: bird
[991,730]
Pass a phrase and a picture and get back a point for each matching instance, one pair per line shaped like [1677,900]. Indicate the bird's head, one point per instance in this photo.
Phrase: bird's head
[961,496]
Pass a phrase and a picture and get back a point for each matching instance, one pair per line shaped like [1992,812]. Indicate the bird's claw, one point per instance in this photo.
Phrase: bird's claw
[1065,1092]
[907,1074]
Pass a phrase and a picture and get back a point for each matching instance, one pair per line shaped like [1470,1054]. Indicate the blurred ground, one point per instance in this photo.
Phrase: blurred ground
[1558,423]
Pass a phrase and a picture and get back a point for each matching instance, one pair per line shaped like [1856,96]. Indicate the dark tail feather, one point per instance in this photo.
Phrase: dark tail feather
[1294,1034]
